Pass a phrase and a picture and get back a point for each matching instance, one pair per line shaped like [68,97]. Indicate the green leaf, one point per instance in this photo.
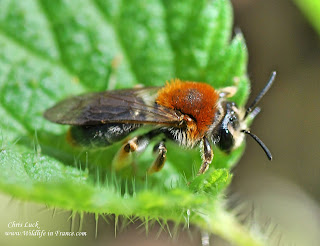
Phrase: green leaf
[311,9]
[50,50]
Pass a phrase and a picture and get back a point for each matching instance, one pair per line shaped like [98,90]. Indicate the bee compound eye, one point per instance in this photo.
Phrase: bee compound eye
[226,140]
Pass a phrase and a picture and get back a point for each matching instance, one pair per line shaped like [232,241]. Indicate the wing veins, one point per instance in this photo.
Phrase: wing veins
[143,105]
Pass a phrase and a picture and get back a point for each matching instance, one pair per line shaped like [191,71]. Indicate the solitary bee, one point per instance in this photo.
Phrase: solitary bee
[189,113]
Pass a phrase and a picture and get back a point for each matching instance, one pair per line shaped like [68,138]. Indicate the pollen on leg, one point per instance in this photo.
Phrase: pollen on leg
[122,158]
[197,100]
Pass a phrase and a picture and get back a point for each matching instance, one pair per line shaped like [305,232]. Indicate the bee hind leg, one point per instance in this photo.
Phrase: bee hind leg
[207,155]
[124,156]
[158,163]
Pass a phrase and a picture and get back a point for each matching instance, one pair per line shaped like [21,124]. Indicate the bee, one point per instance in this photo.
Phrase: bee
[188,113]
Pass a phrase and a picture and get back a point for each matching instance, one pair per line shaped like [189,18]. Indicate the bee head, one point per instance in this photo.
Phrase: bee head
[228,132]
[231,128]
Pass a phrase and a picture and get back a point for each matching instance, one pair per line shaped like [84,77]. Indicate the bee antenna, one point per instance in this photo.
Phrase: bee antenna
[262,145]
[261,94]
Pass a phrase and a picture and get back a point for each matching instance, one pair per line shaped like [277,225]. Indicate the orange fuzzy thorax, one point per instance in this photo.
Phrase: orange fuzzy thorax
[197,100]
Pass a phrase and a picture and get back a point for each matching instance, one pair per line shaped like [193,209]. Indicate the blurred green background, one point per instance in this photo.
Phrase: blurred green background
[287,190]
[282,195]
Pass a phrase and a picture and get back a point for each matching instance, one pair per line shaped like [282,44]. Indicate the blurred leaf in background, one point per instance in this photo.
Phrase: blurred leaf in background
[311,9]
[53,49]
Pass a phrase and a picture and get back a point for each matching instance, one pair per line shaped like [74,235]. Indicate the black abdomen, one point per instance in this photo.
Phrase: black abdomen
[100,135]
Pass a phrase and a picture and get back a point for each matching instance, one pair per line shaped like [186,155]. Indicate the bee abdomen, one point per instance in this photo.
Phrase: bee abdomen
[99,135]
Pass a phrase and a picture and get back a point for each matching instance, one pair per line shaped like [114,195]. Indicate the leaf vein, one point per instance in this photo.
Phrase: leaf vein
[55,36]
[117,37]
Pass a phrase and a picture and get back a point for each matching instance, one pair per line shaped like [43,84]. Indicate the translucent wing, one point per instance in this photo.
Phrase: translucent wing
[119,106]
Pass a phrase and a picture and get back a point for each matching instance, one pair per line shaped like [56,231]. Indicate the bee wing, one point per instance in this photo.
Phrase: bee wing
[120,106]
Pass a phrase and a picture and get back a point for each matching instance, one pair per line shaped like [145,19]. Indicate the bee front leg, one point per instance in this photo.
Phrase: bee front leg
[158,164]
[207,155]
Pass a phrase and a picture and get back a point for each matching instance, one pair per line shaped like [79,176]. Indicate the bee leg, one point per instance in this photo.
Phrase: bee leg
[227,92]
[158,163]
[207,155]
[124,158]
